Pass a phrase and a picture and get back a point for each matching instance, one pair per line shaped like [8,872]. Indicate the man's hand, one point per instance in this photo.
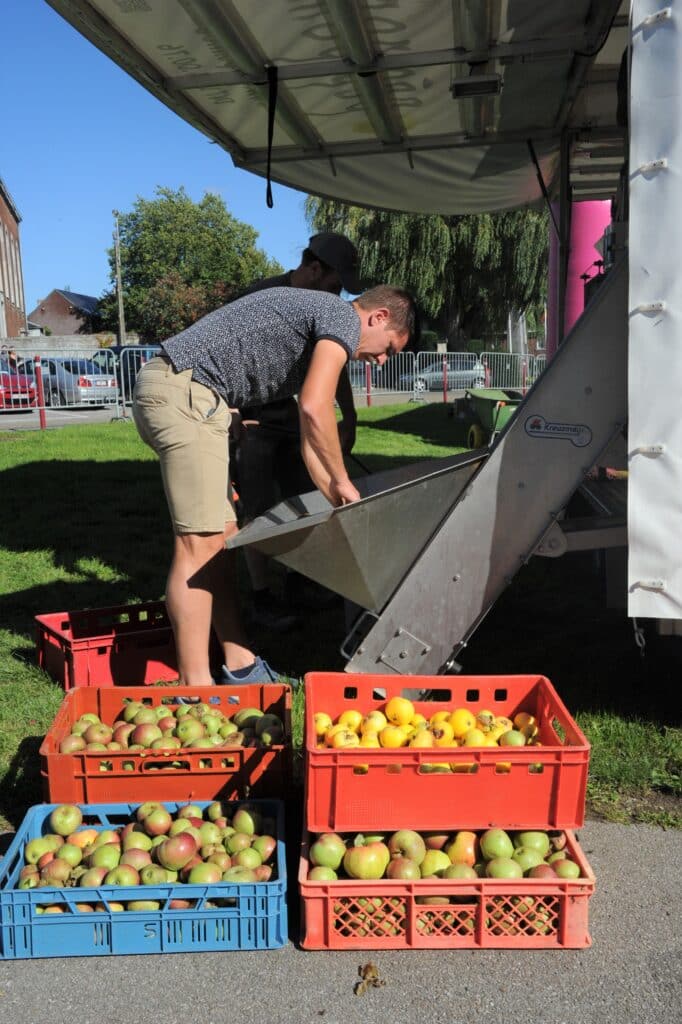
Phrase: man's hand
[342,492]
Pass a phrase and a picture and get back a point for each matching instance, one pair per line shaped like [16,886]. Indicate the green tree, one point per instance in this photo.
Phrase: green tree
[179,260]
[466,272]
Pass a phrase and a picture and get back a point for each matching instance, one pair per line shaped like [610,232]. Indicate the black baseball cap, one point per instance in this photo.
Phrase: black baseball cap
[339,253]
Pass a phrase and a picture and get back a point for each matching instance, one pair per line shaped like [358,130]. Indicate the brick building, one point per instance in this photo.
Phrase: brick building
[12,305]
[64,312]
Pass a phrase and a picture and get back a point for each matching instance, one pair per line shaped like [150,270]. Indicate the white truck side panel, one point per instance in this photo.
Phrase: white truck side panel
[655,313]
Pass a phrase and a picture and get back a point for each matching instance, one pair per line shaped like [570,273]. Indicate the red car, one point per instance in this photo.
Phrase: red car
[17,390]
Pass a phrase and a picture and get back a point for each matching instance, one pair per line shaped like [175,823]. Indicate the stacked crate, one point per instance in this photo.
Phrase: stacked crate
[105,658]
[378,791]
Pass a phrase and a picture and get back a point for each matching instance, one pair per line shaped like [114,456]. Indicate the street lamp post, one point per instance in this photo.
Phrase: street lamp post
[119,287]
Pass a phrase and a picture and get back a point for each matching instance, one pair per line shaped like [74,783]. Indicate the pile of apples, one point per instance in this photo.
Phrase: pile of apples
[400,725]
[410,855]
[173,727]
[224,843]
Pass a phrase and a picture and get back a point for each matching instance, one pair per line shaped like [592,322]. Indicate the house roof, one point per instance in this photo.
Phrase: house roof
[84,303]
[366,110]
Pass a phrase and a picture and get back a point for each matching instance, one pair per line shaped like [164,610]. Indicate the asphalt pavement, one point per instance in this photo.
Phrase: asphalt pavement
[631,973]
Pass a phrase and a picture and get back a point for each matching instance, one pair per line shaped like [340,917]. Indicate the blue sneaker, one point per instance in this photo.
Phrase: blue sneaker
[260,673]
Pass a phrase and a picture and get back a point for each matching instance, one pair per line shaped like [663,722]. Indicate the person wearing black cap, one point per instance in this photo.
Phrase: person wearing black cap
[267,454]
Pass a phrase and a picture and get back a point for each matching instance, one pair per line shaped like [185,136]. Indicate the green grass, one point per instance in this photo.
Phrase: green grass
[84,524]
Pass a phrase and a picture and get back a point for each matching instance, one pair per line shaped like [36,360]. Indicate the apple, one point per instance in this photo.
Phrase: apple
[533,841]
[189,730]
[153,874]
[176,851]
[215,811]
[97,733]
[57,871]
[527,857]
[92,877]
[179,825]
[181,904]
[266,846]
[496,843]
[237,874]
[95,747]
[29,881]
[71,853]
[247,819]
[35,849]
[70,744]
[236,842]
[136,858]
[222,859]
[83,837]
[54,842]
[557,855]
[145,716]
[131,709]
[460,870]
[107,835]
[124,874]
[190,811]
[403,867]
[564,868]
[144,809]
[167,723]
[205,874]
[157,822]
[90,717]
[145,734]
[406,843]
[209,832]
[144,905]
[322,874]
[263,873]
[45,859]
[366,862]
[136,841]
[121,733]
[248,858]
[464,848]
[542,871]
[435,840]
[227,730]
[434,863]
[503,867]
[79,727]
[328,851]
[108,856]
[166,743]
[65,818]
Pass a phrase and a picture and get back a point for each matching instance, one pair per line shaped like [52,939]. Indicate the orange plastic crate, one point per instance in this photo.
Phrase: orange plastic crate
[174,775]
[125,645]
[517,787]
[485,913]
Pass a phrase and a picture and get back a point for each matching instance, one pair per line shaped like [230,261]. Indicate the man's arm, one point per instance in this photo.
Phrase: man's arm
[344,398]
[320,445]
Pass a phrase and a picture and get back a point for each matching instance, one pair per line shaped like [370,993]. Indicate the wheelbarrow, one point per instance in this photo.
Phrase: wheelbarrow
[485,412]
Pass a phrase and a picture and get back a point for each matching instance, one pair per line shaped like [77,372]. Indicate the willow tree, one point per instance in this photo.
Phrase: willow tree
[466,272]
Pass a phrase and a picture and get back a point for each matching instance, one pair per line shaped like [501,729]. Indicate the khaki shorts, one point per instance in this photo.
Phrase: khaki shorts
[187,425]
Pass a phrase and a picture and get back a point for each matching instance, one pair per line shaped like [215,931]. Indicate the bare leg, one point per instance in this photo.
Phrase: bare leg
[193,579]
[226,618]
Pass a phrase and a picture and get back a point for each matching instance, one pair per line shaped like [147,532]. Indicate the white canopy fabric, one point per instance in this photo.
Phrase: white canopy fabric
[365,111]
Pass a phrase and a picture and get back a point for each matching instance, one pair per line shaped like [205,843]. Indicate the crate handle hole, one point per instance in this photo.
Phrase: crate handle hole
[502,767]
[500,695]
[379,693]
[106,766]
[472,696]
[102,650]
[227,762]
[164,766]
[464,768]
[206,762]
[394,769]
[536,769]
[558,729]
[350,693]
[430,696]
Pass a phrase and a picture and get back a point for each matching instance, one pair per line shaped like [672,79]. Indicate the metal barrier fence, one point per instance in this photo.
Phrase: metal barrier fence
[51,380]
[511,369]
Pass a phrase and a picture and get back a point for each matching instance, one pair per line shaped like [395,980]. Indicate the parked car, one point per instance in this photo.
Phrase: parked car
[17,389]
[125,361]
[74,380]
[465,370]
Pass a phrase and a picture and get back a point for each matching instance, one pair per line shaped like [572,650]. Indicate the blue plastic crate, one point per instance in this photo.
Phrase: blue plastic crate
[245,916]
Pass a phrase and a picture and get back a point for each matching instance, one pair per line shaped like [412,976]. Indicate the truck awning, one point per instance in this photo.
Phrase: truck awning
[426,106]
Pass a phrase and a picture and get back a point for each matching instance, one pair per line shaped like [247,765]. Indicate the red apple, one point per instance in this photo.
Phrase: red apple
[176,851]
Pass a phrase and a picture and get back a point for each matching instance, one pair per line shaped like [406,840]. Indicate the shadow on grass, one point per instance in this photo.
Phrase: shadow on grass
[21,786]
[433,423]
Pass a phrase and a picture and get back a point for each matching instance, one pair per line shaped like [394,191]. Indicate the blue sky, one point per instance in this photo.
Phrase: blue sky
[81,138]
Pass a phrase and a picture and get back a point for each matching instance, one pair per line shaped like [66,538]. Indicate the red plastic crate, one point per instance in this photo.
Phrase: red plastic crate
[483,913]
[175,775]
[127,645]
[517,787]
